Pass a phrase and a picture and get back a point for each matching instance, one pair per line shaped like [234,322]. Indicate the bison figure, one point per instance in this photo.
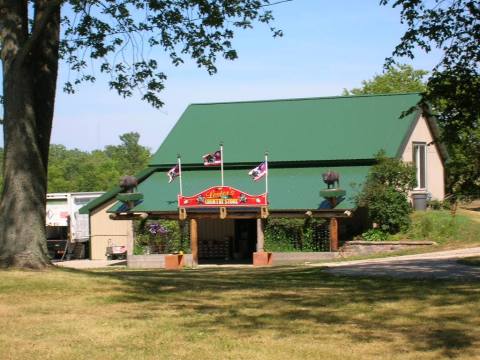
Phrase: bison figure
[330,178]
[128,184]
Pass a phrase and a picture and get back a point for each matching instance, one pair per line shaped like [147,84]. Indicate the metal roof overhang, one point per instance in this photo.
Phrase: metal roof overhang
[291,190]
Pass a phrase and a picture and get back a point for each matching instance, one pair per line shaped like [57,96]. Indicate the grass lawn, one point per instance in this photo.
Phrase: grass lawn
[276,313]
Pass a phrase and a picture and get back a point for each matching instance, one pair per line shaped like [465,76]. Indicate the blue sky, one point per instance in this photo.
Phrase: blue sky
[327,46]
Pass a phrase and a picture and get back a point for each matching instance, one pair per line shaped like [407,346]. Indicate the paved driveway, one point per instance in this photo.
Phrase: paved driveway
[89,264]
[438,265]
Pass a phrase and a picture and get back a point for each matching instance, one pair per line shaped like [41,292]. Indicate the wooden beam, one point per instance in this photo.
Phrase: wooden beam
[260,236]
[232,214]
[194,240]
[130,240]
[333,234]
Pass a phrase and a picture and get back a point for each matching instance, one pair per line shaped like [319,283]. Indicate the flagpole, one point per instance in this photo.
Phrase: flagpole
[180,174]
[266,173]
[221,158]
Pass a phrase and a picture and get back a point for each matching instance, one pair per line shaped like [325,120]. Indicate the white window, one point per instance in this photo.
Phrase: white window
[420,161]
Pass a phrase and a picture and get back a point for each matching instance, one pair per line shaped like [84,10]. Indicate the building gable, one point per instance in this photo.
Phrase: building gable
[422,134]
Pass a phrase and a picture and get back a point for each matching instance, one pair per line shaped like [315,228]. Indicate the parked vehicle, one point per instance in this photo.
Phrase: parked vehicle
[68,232]
[116,252]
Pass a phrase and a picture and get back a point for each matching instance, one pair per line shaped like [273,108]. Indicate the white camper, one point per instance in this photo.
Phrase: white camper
[68,231]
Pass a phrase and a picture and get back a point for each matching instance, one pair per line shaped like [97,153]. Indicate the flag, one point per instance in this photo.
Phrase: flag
[173,173]
[259,172]
[213,159]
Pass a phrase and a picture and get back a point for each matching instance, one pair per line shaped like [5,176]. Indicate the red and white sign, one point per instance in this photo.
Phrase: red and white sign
[222,196]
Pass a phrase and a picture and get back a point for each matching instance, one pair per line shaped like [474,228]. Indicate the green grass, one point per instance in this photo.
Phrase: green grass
[462,230]
[269,313]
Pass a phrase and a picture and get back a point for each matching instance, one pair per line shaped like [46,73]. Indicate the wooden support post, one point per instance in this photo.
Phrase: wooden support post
[223,212]
[260,236]
[333,234]
[130,239]
[182,213]
[194,241]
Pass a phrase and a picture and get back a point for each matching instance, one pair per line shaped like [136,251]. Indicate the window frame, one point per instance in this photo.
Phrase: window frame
[418,173]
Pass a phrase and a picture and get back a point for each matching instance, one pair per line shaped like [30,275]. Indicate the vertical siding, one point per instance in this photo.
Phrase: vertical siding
[435,169]
[103,230]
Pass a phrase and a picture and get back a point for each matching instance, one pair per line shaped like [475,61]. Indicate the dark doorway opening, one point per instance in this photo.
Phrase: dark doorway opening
[226,241]
[245,240]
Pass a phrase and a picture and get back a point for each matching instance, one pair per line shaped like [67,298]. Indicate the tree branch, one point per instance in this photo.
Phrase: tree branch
[38,28]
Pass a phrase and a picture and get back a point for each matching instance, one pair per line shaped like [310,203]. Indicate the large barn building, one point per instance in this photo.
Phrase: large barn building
[304,138]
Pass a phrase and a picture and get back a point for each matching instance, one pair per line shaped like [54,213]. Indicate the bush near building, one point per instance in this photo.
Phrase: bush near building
[385,195]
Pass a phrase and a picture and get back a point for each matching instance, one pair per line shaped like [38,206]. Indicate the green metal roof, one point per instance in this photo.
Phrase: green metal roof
[289,188]
[316,129]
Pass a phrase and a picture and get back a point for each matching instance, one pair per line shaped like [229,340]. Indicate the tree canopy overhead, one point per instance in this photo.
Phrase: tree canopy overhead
[108,31]
[453,27]
[112,36]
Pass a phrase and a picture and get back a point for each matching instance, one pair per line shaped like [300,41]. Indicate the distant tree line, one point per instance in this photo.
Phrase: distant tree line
[72,170]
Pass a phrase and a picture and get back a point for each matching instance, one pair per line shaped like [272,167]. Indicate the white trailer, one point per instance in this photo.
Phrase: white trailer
[68,231]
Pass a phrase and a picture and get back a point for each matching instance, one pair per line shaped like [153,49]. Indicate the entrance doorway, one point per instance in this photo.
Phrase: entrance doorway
[245,240]
[226,241]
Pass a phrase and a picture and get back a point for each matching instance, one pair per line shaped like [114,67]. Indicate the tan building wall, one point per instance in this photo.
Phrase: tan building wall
[435,172]
[104,231]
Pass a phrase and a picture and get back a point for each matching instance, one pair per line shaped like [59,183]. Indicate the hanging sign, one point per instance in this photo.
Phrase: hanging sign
[222,196]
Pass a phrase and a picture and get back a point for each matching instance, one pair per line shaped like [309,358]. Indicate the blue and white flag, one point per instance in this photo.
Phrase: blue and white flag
[259,172]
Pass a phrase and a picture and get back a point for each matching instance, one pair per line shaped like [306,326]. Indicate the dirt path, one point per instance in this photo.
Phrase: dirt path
[89,264]
[438,265]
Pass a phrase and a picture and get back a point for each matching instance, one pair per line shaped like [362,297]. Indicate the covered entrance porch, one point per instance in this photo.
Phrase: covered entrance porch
[228,241]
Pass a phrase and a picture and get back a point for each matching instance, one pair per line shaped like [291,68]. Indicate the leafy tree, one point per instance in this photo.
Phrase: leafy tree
[453,87]
[1,168]
[396,79]
[130,157]
[385,193]
[100,32]
[71,170]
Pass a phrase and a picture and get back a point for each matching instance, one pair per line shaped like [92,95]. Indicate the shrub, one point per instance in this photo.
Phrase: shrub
[284,235]
[163,236]
[375,235]
[385,194]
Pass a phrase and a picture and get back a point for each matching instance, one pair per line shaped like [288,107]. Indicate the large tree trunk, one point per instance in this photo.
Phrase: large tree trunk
[30,65]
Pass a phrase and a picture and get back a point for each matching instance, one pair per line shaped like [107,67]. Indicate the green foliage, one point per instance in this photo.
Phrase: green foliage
[110,32]
[441,227]
[385,194]
[162,237]
[130,157]
[439,205]
[76,170]
[396,79]
[375,235]
[287,235]
[453,88]
[463,166]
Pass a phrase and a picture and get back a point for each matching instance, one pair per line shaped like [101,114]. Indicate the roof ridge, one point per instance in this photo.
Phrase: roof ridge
[305,98]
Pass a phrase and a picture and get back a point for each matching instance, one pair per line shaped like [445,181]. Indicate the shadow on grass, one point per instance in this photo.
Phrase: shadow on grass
[292,300]
[415,269]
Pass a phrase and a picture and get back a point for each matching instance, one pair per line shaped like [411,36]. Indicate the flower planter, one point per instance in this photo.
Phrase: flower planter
[174,262]
[262,258]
